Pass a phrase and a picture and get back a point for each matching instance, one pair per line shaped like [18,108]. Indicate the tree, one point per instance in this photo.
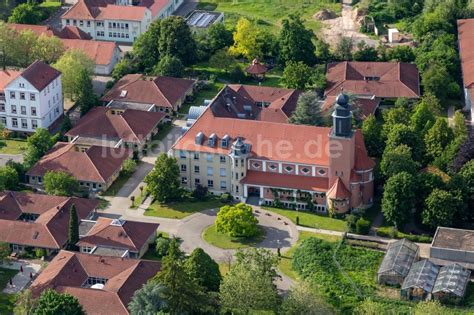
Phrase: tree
[162,246]
[370,307]
[170,66]
[426,182]
[222,60]
[392,117]
[86,98]
[24,48]
[401,134]
[374,142]
[203,270]
[433,308]
[26,13]
[237,221]
[322,52]
[163,181]
[397,160]
[344,48]
[365,52]
[51,302]
[73,232]
[302,300]
[249,284]
[181,293]
[74,64]
[60,183]
[440,208]
[48,48]
[246,40]
[459,125]
[4,251]
[129,166]
[7,50]
[401,53]
[145,48]
[122,68]
[423,117]
[296,42]
[398,198]
[37,146]
[66,125]
[436,80]
[438,137]
[147,300]
[308,110]
[177,40]
[200,192]
[218,37]
[297,75]
[25,303]
[9,178]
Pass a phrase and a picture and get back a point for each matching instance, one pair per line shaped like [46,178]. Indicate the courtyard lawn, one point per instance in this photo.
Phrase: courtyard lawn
[206,93]
[224,241]
[312,220]
[13,146]
[285,264]
[7,301]
[180,209]
[269,13]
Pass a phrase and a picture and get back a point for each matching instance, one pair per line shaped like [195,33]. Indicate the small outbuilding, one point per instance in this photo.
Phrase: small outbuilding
[451,284]
[257,70]
[397,261]
[420,281]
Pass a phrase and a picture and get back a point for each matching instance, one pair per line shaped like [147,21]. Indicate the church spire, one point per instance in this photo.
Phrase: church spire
[342,117]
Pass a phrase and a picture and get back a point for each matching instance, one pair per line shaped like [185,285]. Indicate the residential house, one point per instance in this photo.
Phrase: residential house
[466,54]
[102,285]
[30,221]
[127,128]
[6,76]
[95,167]
[116,237]
[32,98]
[397,262]
[275,163]
[104,54]
[165,94]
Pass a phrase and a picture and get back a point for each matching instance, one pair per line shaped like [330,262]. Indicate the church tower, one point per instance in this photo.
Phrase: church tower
[342,117]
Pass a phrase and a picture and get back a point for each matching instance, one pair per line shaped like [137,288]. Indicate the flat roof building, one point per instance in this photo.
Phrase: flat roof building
[453,245]
[200,19]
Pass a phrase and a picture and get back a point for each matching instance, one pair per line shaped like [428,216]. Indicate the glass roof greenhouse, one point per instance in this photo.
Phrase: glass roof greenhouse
[399,257]
[452,279]
[422,275]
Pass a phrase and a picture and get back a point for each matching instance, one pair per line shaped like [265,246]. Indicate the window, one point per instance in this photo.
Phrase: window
[67,22]
[15,122]
[209,157]
[3,120]
[242,163]
[322,172]
[12,95]
[81,23]
[222,158]
[24,124]
[223,172]
[2,107]
[21,85]
[13,109]
[196,169]
[210,183]
[182,155]
[197,181]
[74,22]
[184,180]
[210,171]
[223,184]
[272,167]
[183,167]
[32,97]
[88,23]
[33,111]
[256,165]
[289,169]
[23,110]
[196,156]
[305,170]
[34,123]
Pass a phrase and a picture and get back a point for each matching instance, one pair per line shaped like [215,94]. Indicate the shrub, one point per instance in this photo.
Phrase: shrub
[351,222]
[200,193]
[237,221]
[162,246]
[226,198]
[109,84]
[129,166]
[393,233]
[40,252]
[362,226]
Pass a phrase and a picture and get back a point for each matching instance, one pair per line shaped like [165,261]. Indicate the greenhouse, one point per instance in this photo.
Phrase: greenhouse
[397,262]
[420,281]
[450,286]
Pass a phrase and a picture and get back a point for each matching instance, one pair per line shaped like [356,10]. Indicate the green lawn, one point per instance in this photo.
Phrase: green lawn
[180,209]
[285,261]
[206,93]
[6,300]
[118,184]
[151,253]
[221,240]
[310,219]
[13,146]
[269,13]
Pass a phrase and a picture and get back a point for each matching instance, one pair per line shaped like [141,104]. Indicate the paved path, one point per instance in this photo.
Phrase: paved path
[4,158]
[21,279]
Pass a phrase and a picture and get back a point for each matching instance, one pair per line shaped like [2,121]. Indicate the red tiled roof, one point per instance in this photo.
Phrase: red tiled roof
[101,52]
[50,229]
[394,79]
[364,106]
[256,68]
[155,6]
[7,76]
[362,160]
[73,32]
[97,164]
[120,12]
[68,271]
[131,235]
[37,29]
[40,74]
[466,53]
[161,91]
[338,190]
[286,181]
[130,126]
[86,9]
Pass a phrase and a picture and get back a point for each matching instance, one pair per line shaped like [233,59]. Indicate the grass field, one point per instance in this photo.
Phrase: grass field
[180,209]
[310,219]
[269,13]
[207,93]
[12,146]
[6,300]
[221,240]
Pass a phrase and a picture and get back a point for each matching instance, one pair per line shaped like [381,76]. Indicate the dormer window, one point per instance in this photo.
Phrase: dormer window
[123,93]
[199,138]
[289,169]
[225,141]
[305,170]
[21,85]
[212,140]
[369,78]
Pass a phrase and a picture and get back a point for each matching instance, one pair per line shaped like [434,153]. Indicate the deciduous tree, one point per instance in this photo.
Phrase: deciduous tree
[25,303]
[60,183]
[398,198]
[372,132]
[163,181]
[219,37]
[303,300]
[344,48]
[365,52]
[297,75]
[203,270]
[37,146]
[401,134]
[9,178]
[175,39]
[438,137]
[26,13]
[237,221]
[48,48]
[170,66]
[246,40]
[396,160]
[296,42]
[440,208]
[51,302]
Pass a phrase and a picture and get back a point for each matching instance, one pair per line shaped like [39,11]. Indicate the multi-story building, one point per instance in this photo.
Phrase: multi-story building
[302,167]
[466,54]
[117,20]
[32,98]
